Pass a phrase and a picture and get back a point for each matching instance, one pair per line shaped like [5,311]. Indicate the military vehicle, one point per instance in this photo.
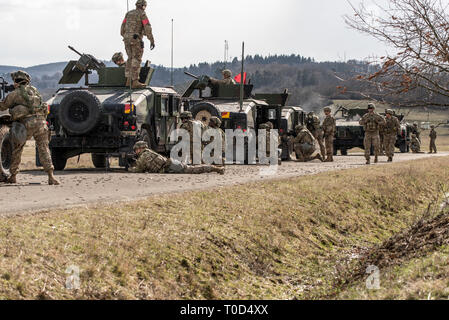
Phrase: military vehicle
[224,102]
[6,147]
[350,134]
[291,117]
[105,119]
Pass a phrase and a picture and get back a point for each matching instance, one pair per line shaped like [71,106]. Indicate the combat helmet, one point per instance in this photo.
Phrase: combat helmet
[20,76]
[371,106]
[140,145]
[186,115]
[216,121]
[389,111]
[432,127]
[263,126]
[327,109]
[227,73]
[117,57]
[141,3]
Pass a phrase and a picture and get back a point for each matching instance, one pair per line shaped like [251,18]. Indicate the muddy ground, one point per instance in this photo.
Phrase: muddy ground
[81,187]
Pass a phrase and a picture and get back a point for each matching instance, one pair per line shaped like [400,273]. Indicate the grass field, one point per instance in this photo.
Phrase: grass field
[274,240]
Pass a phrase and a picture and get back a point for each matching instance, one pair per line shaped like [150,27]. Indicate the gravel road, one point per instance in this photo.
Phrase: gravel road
[81,187]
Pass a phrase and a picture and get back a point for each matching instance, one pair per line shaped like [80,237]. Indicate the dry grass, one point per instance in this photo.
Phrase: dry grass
[275,240]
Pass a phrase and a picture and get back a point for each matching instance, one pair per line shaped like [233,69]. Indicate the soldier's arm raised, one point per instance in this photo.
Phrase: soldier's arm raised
[148,30]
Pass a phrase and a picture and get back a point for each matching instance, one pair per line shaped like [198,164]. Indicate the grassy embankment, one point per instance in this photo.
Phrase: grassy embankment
[274,240]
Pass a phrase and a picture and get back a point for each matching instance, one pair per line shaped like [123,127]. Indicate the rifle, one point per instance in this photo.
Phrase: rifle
[87,61]
[5,88]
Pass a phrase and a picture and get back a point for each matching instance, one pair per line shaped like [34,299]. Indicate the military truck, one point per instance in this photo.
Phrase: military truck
[350,134]
[105,119]
[224,102]
[6,147]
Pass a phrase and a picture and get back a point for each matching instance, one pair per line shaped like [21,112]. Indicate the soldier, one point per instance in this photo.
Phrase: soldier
[304,145]
[118,59]
[227,78]
[149,161]
[433,138]
[29,115]
[391,130]
[314,126]
[415,130]
[188,124]
[329,128]
[382,147]
[372,122]
[134,26]
[215,124]
[415,144]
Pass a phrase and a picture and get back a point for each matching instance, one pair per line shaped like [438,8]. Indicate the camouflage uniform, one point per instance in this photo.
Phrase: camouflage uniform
[134,27]
[149,161]
[415,130]
[372,123]
[314,126]
[329,128]
[382,147]
[433,138]
[415,144]
[304,145]
[391,130]
[227,79]
[34,120]
[189,126]
[215,124]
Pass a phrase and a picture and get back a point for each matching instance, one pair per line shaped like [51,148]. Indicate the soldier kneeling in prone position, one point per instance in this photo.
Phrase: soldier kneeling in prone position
[149,161]
[304,145]
[29,114]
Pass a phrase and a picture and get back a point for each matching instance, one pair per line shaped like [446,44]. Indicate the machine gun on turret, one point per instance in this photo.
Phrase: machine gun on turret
[5,88]
[75,70]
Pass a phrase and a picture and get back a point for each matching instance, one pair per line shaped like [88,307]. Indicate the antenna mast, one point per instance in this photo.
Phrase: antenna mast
[127,5]
[242,78]
[172,49]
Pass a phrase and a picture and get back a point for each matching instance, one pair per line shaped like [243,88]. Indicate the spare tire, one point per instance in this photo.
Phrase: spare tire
[6,149]
[204,111]
[79,112]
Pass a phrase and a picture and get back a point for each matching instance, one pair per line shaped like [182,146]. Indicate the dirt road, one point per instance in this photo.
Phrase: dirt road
[91,186]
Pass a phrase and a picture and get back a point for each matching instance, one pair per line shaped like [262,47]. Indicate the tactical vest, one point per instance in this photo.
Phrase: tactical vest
[390,126]
[155,162]
[371,124]
[33,100]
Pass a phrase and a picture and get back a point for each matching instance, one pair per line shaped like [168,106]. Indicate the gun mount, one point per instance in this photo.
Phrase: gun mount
[5,88]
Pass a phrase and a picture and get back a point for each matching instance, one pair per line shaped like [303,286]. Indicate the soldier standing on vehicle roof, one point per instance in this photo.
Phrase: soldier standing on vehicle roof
[391,130]
[134,27]
[29,114]
[372,122]
[227,78]
[304,145]
[149,161]
[433,139]
[118,59]
[314,126]
[329,129]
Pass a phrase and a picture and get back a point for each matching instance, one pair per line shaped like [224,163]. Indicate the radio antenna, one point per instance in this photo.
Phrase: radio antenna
[127,5]
[172,50]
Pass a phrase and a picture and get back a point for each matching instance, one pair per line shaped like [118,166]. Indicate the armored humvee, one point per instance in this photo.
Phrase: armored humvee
[6,147]
[105,119]
[350,134]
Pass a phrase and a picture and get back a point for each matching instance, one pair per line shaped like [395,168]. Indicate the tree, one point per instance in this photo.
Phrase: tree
[416,71]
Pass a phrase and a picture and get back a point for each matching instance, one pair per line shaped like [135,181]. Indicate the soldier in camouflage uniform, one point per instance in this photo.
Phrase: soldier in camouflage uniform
[28,109]
[433,139]
[304,145]
[215,124]
[227,78]
[382,147]
[329,129]
[134,27]
[415,130]
[314,126]
[118,59]
[415,144]
[391,130]
[149,161]
[189,124]
[372,122]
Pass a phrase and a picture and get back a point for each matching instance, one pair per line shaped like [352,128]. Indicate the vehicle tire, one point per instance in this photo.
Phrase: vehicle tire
[204,111]
[100,161]
[149,138]
[6,149]
[344,151]
[59,160]
[79,112]
[403,147]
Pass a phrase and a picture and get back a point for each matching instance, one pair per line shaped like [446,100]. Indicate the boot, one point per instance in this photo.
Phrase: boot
[12,179]
[368,161]
[128,82]
[390,159]
[52,180]
[137,85]
[376,159]
[219,170]
[319,157]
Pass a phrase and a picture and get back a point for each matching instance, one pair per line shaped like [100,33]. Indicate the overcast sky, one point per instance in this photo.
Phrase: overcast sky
[38,31]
